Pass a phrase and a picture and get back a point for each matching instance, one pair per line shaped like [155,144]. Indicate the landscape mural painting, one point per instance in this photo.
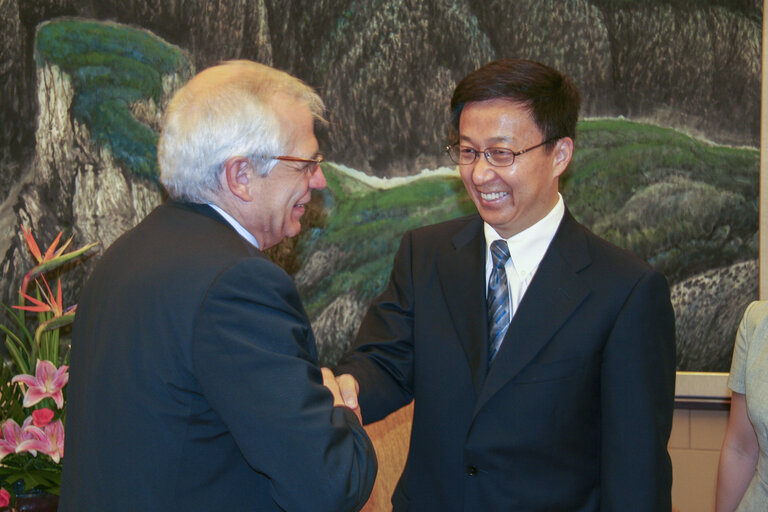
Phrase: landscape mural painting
[666,162]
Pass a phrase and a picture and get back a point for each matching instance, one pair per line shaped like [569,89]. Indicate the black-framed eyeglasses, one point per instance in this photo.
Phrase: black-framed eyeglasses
[500,157]
[312,164]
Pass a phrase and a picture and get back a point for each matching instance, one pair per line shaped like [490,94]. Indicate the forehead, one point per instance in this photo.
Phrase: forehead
[297,121]
[499,118]
[291,111]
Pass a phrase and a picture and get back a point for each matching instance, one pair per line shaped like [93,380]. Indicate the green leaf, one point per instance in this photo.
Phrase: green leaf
[11,396]
[17,350]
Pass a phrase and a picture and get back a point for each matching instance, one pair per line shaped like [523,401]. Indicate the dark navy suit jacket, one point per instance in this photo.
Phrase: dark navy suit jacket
[195,386]
[575,412]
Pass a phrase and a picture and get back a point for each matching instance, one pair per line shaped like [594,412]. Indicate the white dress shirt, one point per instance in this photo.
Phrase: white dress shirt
[526,251]
[238,227]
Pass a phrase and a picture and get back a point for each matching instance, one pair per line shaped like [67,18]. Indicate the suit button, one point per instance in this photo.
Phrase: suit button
[471,470]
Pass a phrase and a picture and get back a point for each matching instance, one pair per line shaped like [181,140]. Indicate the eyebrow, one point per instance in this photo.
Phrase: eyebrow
[493,140]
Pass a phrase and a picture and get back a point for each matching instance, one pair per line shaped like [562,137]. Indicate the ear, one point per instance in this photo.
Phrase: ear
[562,155]
[238,174]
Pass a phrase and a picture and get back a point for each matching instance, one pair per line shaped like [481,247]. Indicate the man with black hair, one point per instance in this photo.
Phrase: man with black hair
[540,357]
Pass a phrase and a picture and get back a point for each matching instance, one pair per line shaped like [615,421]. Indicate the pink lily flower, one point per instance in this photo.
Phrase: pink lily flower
[5,498]
[49,441]
[47,382]
[14,435]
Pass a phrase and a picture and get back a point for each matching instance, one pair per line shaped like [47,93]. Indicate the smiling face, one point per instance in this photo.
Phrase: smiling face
[514,197]
[280,198]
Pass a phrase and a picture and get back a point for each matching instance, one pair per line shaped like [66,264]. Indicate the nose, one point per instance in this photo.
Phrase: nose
[317,179]
[482,172]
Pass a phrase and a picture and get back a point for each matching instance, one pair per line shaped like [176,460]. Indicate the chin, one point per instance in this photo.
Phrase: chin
[293,231]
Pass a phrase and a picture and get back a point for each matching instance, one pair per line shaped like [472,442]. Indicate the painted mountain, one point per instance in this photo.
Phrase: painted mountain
[665,163]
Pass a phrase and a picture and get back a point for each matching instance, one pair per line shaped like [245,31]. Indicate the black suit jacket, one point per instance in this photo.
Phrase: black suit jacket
[195,386]
[575,412]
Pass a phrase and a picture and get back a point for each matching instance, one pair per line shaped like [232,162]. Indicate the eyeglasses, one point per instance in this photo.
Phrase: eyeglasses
[500,157]
[312,164]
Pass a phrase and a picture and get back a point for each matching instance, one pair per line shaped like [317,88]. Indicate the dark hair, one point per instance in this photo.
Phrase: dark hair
[552,98]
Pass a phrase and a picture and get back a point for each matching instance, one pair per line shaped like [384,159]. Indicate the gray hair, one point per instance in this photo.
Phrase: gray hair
[222,112]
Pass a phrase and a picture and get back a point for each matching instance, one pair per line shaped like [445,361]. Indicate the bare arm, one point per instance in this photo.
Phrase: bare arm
[738,457]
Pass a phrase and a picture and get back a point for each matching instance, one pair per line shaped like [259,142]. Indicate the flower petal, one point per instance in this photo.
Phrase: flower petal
[52,248]
[34,395]
[53,302]
[59,299]
[38,303]
[33,446]
[58,398]
[11,431]
[26,424]
[29,380]
[45,370]
[34,309]
[61,378]
[33,248]
[34,440]
[6,448]
[55,433]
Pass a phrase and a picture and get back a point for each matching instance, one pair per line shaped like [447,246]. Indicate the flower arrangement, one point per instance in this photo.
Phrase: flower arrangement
[33,377]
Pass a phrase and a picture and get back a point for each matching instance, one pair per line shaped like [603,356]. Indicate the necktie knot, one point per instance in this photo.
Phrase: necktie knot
[499,253]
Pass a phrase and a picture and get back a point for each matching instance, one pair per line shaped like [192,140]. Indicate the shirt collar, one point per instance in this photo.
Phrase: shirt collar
[527,247]
[237,226]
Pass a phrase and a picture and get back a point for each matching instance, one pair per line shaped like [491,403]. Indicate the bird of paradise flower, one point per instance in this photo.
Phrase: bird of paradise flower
[25,349]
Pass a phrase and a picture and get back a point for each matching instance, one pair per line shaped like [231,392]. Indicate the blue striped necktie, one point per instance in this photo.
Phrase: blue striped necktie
[498,297]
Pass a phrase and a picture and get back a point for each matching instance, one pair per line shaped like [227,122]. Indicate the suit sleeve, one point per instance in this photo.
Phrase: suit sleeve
[254,357]
[637,390]
[382,361]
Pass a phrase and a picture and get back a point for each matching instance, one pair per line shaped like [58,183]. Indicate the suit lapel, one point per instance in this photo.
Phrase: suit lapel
[462,278]
[554,293]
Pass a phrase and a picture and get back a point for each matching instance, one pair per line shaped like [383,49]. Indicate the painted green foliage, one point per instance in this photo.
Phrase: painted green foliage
[682,204]
[367,225]
[113,66]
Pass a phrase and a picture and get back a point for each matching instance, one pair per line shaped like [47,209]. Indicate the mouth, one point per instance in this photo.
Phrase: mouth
[301,205]
[493,196]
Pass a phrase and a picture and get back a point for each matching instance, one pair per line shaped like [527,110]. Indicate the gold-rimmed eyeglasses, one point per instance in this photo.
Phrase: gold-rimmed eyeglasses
[312,164]
[500,157]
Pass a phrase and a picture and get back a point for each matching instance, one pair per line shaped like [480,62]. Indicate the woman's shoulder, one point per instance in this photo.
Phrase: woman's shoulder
[754,324]
[756,313]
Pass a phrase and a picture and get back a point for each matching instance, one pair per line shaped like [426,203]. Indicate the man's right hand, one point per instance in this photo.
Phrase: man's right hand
[344,389]
[349,389]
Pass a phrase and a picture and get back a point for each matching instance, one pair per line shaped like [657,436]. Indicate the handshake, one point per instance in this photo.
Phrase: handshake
[344,389]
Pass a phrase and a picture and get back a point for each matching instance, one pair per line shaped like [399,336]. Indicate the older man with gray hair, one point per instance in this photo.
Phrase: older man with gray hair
[194,378]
